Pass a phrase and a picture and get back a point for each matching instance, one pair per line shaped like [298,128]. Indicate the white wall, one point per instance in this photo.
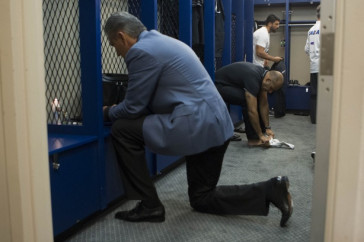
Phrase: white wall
[25,207]
[342,129]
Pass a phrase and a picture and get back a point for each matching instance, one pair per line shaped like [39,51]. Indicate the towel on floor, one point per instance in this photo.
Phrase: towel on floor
[280,144]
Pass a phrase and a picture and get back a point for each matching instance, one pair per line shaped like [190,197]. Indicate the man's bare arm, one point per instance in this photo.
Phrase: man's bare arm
[264,111]
[252,106]
[264,107]
[260,51]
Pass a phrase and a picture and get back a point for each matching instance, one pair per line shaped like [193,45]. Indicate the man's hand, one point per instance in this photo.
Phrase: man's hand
[277,59]
[264,139]
[105,111]
[270,133]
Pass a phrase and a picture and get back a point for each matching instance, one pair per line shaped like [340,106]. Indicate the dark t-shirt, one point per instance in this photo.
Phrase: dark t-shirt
[244,75]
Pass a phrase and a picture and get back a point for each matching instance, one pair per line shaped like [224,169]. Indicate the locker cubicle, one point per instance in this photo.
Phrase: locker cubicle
[297,97]
[82,164]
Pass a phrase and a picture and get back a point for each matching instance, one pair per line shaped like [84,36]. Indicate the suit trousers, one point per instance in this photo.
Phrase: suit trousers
[203,172]
[236,96]
[127,137]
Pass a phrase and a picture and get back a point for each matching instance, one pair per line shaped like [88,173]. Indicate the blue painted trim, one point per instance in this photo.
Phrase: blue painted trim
[209,31]
[91,81]
[248,29]
[185,21]
[67,129]
[134,9]
[226,55]
[238,10]
[61,142]
[149,13]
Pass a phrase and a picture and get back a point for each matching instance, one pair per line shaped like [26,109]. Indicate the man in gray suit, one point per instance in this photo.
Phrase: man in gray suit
[173,107]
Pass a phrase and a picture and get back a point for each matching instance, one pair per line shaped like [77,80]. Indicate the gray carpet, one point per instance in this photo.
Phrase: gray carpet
[241,165]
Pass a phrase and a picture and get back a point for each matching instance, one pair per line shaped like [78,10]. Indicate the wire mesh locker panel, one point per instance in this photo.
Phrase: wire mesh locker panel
[111,63]
[62,61]
[218,63]
[168,17]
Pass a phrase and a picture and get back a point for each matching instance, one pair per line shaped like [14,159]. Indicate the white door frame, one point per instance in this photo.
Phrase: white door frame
[25,204]
[338,194]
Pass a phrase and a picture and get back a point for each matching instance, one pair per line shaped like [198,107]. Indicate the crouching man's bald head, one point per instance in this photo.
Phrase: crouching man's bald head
[272,81]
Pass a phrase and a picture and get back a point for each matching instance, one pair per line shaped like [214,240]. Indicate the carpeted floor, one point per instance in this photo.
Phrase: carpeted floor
[241,165]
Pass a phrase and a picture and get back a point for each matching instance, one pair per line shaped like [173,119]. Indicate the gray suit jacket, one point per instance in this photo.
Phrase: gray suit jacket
[167,82]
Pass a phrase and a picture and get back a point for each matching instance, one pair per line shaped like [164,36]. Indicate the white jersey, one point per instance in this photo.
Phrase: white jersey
[260,37]
[312,47]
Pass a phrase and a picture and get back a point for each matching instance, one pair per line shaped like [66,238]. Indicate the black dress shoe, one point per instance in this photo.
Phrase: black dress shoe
[279,115]
[142,214]
[281,198]
[235,137]
[239,130]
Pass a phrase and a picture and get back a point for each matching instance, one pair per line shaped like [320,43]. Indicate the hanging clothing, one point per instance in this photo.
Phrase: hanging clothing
[219,28]
[312,47]
[198,37]
[197,3]
[197,25]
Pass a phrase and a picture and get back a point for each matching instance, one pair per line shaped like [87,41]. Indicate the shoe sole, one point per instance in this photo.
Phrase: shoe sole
[239,130]
[235,139]
[124,216]
[286,216]
[151,220]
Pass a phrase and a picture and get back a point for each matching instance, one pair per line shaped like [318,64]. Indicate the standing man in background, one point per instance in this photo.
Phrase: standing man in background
[261,42]
[312,48]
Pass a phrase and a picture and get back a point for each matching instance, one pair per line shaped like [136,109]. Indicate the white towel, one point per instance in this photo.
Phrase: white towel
[279,144]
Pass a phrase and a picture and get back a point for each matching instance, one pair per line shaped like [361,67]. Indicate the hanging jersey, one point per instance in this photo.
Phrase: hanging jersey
[261,38]
[312,47]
